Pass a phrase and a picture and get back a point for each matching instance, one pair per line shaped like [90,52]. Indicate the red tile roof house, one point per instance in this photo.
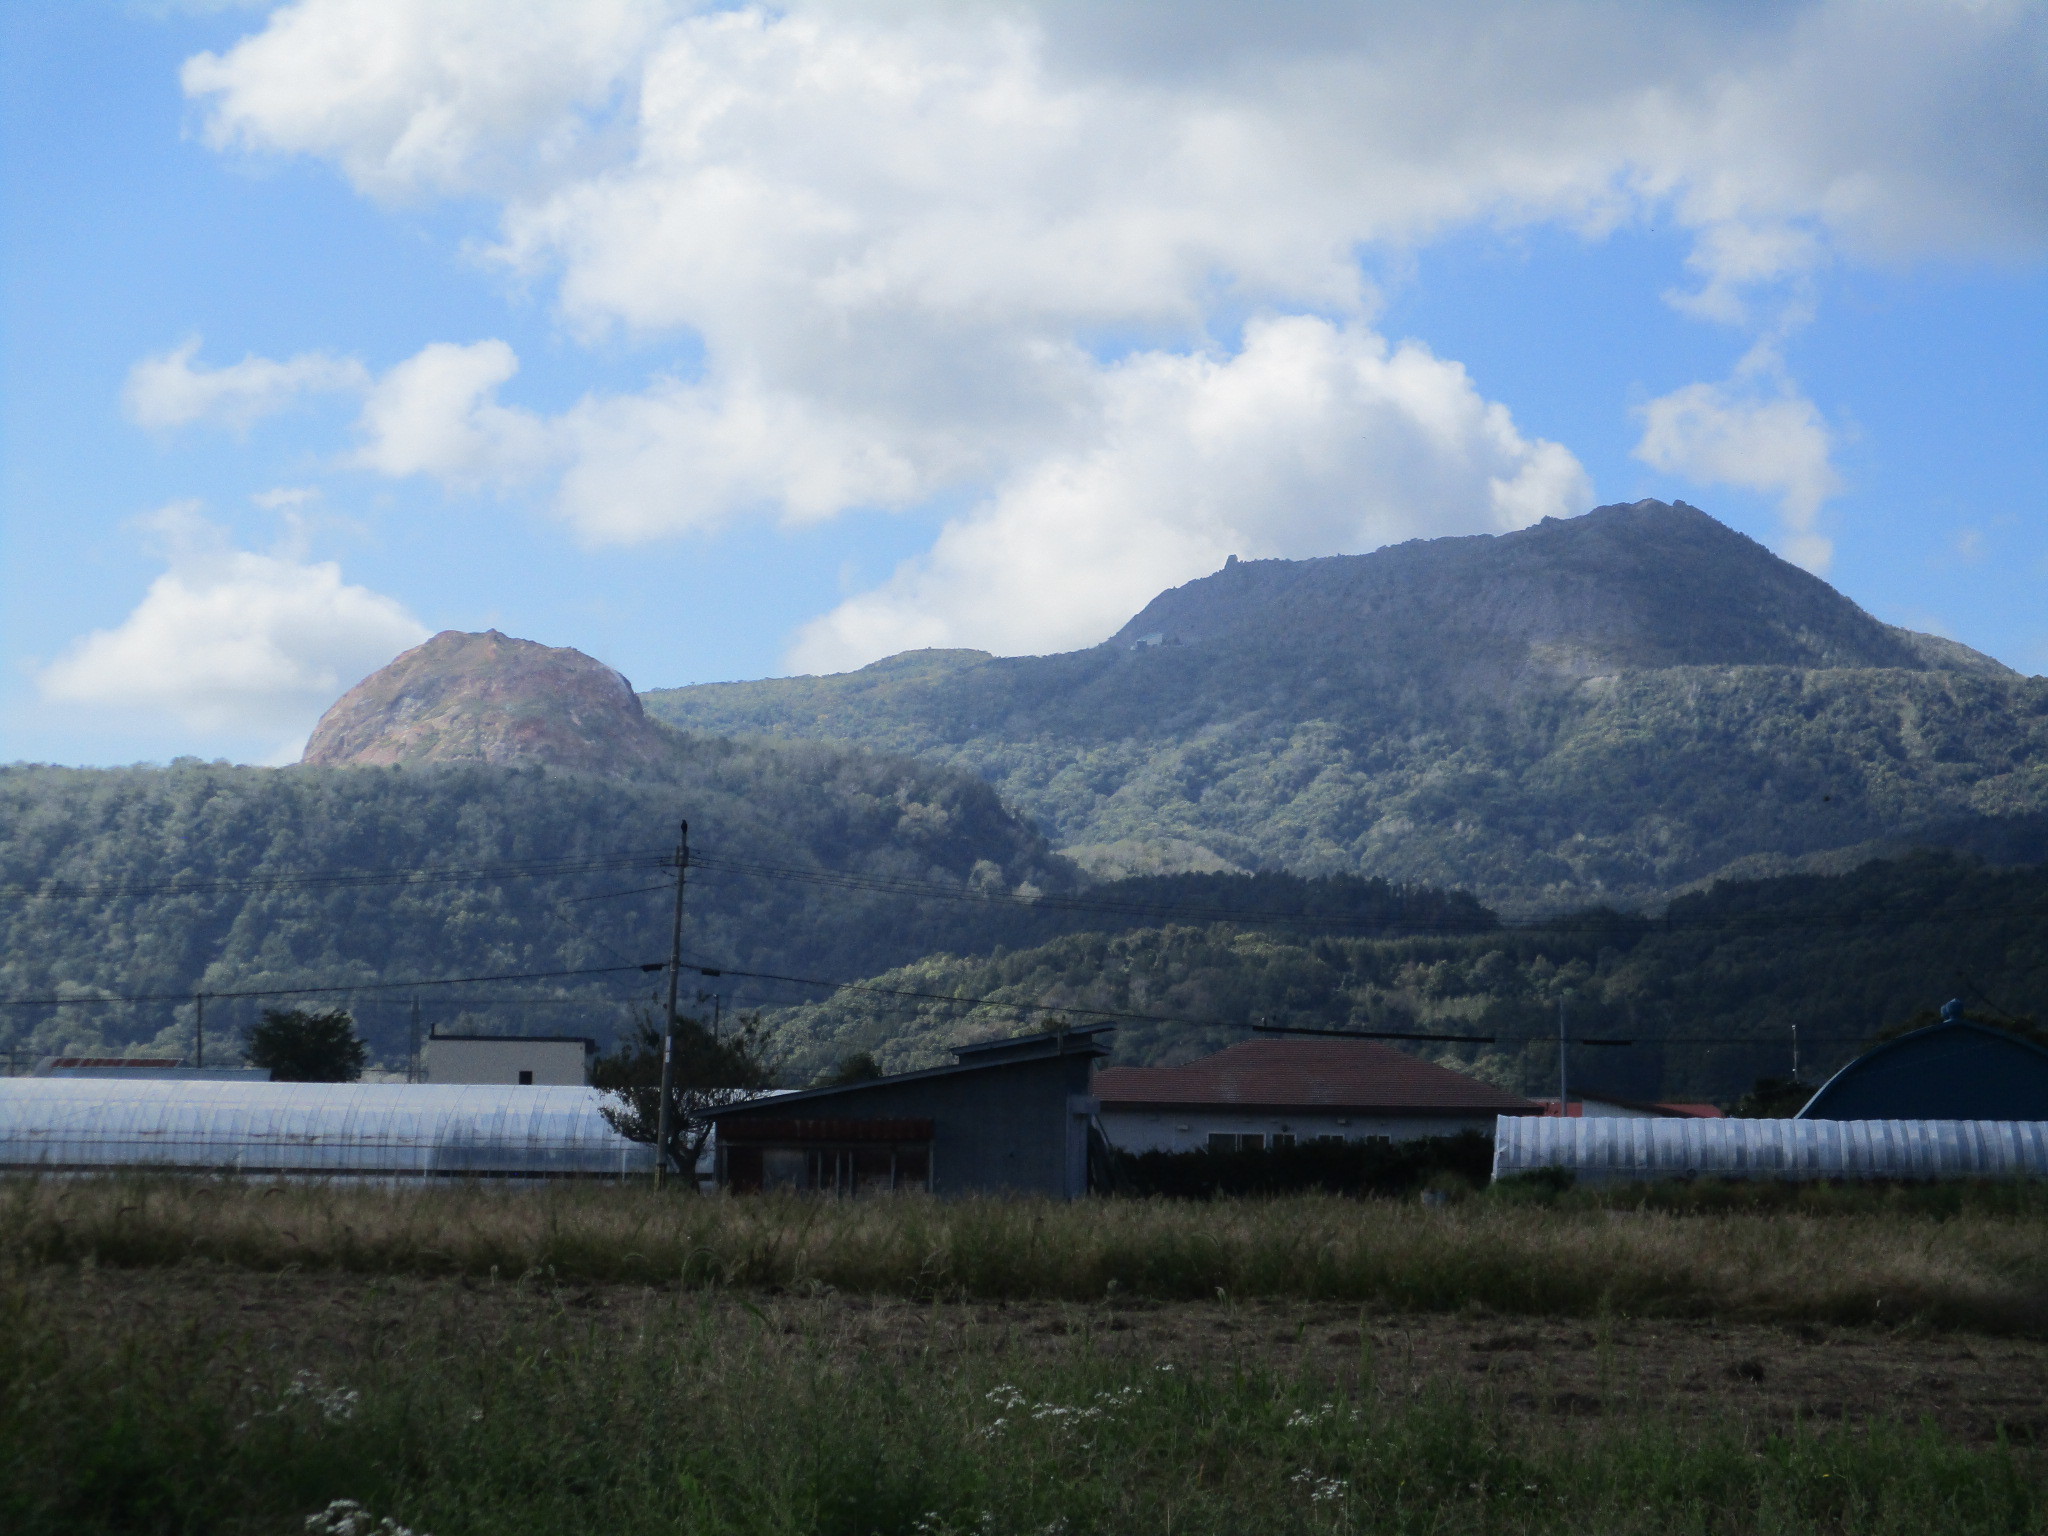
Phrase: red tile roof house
[1264,1093]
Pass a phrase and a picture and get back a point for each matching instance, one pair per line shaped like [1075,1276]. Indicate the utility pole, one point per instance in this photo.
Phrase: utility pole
[665,1119]
[1795,1053]
[1564,1103]
[198,1029]
[412,1063]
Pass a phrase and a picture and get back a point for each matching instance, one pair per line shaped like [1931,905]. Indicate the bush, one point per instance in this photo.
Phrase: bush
[297,1045]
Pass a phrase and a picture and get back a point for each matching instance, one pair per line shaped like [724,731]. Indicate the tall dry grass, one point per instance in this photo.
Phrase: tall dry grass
[1986,1273]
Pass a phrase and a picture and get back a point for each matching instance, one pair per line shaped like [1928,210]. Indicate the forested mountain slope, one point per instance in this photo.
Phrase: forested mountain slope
[1609,707]
[1709,993]
[437,835]
[158,880]
[806,860]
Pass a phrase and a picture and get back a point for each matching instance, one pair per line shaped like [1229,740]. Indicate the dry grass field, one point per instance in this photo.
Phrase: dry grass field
[223,1358]
[1986,1271]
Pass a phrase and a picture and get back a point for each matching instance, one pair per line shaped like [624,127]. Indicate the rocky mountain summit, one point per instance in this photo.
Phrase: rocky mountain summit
[490,698]
[1624,587]
[1608,707]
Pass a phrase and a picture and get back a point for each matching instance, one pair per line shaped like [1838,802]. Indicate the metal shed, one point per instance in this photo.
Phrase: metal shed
[1954,1070]
[401,1130]
[1012,1117]
[1647,1150]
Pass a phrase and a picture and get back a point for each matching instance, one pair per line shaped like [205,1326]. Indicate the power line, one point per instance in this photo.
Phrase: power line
[1159,1018]
[342,986]
[1017,1006]
[531,869]
[1562,921]
[954,999]
[1383,1034]
[1578,920]
[932,890]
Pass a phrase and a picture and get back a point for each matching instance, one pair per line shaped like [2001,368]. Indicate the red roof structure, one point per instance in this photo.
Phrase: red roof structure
[1342,1075]
[1577,1109]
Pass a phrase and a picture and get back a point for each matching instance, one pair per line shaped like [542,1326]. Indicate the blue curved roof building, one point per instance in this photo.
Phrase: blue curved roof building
[1954,1070]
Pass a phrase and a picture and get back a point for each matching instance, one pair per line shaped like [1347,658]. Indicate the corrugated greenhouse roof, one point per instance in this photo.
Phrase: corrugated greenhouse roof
[393,1129]
[1647,1150]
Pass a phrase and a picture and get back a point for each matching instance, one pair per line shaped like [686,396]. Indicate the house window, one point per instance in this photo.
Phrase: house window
[1282,1139]
[1222,1141]
[526,1079]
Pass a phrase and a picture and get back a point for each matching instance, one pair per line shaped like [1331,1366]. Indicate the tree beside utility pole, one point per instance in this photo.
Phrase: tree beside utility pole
[665,1133]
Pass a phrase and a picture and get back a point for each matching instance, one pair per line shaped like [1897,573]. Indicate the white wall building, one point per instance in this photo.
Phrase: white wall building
[1277,1092]
[527,1061]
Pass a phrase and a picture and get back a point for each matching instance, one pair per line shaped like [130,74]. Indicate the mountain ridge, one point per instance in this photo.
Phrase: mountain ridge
[1625,586]
[1643,698]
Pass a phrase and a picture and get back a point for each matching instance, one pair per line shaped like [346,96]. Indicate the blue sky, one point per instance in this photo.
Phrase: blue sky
[726,343]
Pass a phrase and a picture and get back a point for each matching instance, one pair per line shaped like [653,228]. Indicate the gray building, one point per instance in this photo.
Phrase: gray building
[1010,1117]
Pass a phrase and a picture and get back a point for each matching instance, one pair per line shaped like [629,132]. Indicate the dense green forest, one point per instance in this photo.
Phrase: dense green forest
[806,860]
[163,881]
[839,865]
[1623,788]
[1710,991]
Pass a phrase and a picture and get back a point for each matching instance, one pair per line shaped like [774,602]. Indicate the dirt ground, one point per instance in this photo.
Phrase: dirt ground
[1970,1386]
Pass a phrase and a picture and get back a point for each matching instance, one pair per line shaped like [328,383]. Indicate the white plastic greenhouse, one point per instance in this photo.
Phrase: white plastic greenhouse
[390,1130]
[1595,1149]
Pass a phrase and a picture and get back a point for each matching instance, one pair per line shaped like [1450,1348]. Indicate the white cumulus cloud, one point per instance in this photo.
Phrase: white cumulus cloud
[168,391]
[412,97]
[230,638]
[1313,437]
[437,414]
[1001,252]
[1754,434]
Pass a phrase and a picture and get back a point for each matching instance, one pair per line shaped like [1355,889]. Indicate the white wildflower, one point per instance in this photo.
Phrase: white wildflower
[337,1405]
[1321,1490]
[1006,1396]
[345,1517]
[1062,1415]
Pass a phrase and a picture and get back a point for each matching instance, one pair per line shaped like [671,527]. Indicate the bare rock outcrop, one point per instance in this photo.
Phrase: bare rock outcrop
[490,698]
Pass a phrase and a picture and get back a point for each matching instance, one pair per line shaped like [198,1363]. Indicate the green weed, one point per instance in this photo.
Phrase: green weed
[512,1412]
